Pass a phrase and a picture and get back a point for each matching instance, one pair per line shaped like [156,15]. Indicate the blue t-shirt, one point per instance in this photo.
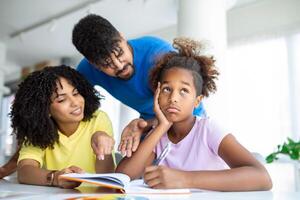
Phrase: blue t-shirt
[135,92]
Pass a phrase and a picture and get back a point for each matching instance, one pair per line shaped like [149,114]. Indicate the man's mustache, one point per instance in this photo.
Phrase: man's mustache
[124,68]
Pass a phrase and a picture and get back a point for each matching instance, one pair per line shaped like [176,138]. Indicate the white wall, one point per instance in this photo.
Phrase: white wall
[263,19]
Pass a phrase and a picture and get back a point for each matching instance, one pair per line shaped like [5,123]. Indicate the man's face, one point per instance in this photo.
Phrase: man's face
[120,63]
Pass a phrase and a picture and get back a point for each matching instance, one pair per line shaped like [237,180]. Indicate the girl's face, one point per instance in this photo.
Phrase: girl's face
[67,105]
[177,98]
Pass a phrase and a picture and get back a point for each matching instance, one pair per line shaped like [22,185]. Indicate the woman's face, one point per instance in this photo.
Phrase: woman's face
[67,105]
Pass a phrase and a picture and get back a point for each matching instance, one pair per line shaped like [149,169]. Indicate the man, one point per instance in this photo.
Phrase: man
[121,67]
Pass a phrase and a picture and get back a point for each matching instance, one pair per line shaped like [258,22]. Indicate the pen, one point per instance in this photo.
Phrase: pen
[163,154]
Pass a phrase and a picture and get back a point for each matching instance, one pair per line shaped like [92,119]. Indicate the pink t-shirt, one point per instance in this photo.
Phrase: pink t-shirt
[196,151]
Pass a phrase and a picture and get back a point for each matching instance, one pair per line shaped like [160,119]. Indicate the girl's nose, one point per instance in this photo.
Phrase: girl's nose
[174,97]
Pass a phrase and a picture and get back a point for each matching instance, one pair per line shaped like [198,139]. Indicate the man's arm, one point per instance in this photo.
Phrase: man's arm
[11,166]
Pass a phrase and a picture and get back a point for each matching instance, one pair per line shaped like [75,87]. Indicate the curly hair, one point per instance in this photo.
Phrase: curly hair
[96,38]
[188,57]
[30,110]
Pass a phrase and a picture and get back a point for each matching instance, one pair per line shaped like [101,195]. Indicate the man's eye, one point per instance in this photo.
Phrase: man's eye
[118,52]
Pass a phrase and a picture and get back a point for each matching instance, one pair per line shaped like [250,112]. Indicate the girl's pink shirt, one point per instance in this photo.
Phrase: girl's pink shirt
[196,151]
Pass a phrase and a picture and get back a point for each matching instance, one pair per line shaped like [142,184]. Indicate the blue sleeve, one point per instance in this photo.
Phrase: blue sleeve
[86,69]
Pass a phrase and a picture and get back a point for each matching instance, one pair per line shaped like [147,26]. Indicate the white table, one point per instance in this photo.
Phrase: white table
[282,176]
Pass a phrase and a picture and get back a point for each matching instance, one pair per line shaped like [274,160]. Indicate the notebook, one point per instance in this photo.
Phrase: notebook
[120,182]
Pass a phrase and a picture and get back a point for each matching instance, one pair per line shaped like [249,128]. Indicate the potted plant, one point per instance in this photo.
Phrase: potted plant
[290,148]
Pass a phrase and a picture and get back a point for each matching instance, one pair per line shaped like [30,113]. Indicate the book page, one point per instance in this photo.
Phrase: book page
[138,187]
[116,180]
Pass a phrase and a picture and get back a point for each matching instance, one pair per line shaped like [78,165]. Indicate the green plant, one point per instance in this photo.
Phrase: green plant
[290,148]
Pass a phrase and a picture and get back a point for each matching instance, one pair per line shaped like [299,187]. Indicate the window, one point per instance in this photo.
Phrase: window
[259,93]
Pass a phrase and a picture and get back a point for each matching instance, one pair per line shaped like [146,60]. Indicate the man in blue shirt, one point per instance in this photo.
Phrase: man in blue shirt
[122,68]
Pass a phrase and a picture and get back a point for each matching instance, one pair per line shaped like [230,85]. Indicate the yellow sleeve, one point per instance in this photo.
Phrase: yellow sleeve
[103,123]
[31,152]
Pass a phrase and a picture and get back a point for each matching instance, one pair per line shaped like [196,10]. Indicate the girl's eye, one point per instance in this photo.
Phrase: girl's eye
[166,89]
[184,91]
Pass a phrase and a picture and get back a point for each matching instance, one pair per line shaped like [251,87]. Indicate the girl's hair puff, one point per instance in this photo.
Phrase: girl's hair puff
[189,56]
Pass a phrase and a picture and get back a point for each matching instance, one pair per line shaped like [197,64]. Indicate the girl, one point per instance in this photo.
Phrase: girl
[56,121]
[202,155]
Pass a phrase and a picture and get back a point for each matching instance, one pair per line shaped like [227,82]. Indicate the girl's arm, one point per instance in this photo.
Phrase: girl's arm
[135,165]
[246,173]
[29,172]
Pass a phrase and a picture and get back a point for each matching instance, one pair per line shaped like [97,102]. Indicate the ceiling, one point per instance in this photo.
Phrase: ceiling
[35,30]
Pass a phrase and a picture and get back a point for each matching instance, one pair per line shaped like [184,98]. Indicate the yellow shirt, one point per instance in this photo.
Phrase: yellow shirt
[74,150]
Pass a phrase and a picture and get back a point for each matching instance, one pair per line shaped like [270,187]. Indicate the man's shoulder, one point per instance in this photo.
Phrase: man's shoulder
[83,65]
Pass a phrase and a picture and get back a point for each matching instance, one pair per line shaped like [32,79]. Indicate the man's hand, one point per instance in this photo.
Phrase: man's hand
[131,135]
[65,183]
[102,144]
[164,177]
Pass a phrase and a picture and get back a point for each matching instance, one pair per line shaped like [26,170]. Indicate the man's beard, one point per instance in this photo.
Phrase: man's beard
[125,67]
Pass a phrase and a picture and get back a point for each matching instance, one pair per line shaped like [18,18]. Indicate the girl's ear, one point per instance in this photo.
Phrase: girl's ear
[198,100]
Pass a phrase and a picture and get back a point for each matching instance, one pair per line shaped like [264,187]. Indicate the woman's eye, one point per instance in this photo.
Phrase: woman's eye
[60,100]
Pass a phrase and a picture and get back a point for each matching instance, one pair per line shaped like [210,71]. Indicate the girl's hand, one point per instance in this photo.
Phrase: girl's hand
[162,120]
[65,183]
[164,177]
[102,144]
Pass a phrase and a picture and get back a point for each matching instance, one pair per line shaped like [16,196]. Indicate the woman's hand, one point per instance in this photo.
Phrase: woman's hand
[102,144]
[65,183]
[164,177]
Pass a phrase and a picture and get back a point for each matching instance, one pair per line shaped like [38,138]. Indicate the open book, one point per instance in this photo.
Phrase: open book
[120,182]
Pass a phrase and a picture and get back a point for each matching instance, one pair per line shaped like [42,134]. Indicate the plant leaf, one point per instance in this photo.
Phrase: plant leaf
[270,158]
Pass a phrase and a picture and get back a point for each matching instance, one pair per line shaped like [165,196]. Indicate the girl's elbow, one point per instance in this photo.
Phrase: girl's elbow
[269,183]
[266,180]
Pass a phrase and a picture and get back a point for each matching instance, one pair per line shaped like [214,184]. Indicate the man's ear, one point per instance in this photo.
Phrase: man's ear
[198,100]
